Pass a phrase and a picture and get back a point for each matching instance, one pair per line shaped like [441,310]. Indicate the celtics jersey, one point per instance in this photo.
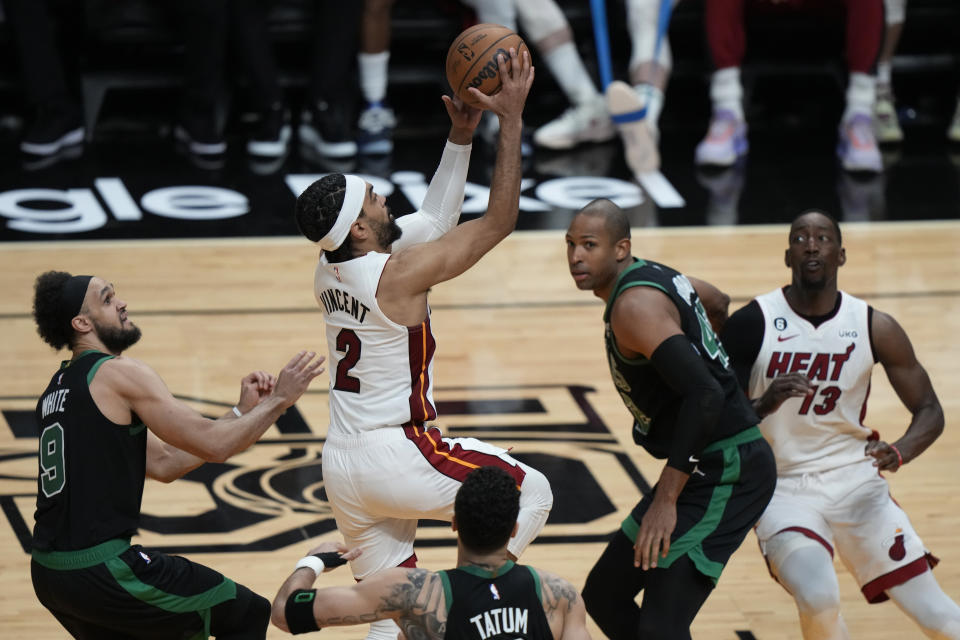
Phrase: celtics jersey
[91,471]
[504,605]
[652,402]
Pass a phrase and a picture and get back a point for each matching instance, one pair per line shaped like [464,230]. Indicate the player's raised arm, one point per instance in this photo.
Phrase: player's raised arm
[416,269]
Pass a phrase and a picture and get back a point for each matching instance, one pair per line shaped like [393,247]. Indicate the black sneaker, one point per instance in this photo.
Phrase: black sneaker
[55,127]
[375,129]
[326,130]
[200,136]
[271,138]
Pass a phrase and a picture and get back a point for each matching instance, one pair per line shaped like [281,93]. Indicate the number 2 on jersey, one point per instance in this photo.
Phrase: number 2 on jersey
[349,344]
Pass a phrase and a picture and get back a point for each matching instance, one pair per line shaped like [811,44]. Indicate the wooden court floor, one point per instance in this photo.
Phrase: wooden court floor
[519,361]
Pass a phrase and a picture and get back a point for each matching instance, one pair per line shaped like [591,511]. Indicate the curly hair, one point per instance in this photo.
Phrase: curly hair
[316,211]
[46,309]
[486,509]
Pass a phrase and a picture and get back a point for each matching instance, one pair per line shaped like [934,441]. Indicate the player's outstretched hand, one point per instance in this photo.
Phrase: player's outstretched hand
[463,117]
[334,554]
[296,376]
[516,78]
[254,387]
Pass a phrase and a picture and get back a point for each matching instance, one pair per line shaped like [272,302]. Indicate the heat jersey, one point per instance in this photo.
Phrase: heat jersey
[381,372]
[485,606]
[91,470]
[821,431]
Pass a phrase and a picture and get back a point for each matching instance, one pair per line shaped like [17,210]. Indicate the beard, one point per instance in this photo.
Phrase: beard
[388,232]
[118,340]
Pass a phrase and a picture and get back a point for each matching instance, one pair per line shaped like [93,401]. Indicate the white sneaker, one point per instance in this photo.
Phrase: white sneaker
[726,141]
[627,110]
[588,122]
[857,146]
[885,124]
[953,133]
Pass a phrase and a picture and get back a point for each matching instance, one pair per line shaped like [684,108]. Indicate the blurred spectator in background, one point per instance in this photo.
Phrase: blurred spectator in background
[208,26]
[635,107]
[885,123]
[377,120]
[46,35]
[726,139]
[327,122]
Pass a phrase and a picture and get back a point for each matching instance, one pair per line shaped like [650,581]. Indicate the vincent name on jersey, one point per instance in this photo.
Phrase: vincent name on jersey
[495,622]
[53,402]
[339,300]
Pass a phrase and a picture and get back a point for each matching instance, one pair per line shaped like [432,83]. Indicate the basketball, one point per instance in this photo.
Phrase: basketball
[472,59]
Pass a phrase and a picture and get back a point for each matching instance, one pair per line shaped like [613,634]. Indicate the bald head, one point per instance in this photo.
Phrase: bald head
[615,221]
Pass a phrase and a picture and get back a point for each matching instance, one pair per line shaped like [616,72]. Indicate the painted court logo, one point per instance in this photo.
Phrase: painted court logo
[273,495]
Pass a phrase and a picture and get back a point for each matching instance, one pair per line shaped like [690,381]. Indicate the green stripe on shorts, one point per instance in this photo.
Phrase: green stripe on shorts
[200,603]
[690,542]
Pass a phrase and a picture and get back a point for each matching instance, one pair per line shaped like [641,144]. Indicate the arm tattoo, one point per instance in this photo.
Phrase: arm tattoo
[558,596]
[420,599]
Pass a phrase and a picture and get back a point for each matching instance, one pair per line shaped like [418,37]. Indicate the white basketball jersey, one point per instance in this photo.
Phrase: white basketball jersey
[823,431]
[381,373]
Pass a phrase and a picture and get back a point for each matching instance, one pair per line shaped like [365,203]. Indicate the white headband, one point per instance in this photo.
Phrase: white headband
[348,214]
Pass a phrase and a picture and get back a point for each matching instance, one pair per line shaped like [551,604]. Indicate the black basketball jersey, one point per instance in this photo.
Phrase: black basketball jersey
[652,402]
[91,470]
[486,606]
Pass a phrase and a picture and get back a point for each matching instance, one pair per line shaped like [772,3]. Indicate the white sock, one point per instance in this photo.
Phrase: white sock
[861,95]
[373,75]
[726,92]
[653,98]
[567,68]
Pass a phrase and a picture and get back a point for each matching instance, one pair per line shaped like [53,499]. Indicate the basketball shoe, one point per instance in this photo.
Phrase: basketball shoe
[857,146]
[271,138]
[375,129]
[587,122]
[326,129]
[56,125]
[885,124]
[725,142]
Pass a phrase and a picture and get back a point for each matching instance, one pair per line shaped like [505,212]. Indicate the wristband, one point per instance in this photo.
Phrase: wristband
[236,411]
[330,559]
[899,457]
[313,563]
[299,611]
